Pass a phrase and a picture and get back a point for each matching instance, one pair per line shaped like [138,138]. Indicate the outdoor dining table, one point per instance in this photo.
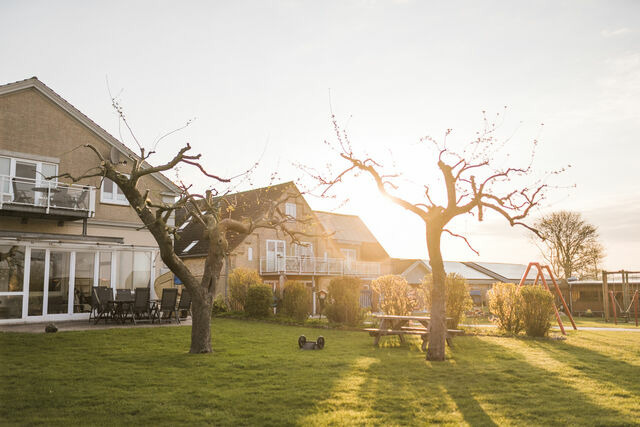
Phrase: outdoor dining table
[391,324]
[122,307]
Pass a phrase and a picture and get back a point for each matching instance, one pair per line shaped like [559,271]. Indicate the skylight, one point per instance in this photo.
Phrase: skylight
[190,246]
[184,224]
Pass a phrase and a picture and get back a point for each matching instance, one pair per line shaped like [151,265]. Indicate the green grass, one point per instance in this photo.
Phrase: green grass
[257,376]
[580,321]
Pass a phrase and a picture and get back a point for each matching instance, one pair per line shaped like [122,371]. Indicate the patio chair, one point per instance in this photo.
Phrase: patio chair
[124,295]
[184,307]
[142,305]
[61,198]
[21,192]
[104,296]
[80,201]
[94,303]
[167,305]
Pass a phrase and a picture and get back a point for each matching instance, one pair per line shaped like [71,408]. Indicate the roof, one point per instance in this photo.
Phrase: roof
[346,228]
[485,271]
[245,205]
[34,83]
[465,271]
[511,272]
[401,265]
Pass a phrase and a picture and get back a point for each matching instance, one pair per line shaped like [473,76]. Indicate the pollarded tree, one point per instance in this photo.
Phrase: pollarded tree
[471,184]
[570,244]
[211,209]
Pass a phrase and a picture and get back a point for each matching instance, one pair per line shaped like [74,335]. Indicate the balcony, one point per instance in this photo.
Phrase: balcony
[28,197]
[309,266]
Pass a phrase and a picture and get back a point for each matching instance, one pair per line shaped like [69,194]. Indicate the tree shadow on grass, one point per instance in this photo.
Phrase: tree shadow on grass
[594,364]
[483,384]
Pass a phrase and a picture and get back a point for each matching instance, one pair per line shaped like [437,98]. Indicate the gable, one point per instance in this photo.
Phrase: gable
[35,119]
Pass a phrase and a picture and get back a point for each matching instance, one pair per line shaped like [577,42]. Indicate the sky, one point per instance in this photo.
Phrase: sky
[262,78]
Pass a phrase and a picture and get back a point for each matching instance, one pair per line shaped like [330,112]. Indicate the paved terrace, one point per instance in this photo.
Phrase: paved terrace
[83,325]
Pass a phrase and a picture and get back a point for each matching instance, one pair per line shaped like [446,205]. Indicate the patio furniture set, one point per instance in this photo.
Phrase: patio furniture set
[137,306]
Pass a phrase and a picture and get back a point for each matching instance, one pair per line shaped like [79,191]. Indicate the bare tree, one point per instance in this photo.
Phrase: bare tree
[470,186]
[211,209]
[570,244]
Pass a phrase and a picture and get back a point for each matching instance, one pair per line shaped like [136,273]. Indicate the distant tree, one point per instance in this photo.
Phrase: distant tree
[570,244]
[474,182]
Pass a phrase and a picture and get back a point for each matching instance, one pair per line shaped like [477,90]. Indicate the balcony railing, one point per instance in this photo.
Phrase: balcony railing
[310,266]
[46,197]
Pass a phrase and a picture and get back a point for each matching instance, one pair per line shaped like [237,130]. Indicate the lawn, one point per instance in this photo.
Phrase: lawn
[257,376]
[596,322]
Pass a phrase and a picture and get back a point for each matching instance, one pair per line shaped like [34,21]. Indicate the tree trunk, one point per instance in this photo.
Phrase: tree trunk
[201,326]
[438,324]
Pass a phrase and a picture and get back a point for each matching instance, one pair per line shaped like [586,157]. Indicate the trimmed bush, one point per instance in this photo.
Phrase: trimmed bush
[219,305]
[259,300]
[505,305]
[296,300]
[537,308]
[396,295]
[343,305]
[457,297]
[240,280]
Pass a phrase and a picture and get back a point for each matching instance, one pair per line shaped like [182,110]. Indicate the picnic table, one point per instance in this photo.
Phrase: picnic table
[391,324]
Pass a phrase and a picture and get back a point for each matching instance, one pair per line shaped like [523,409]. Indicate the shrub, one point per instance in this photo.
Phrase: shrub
[296,300]
[396,295]
[505,305]
[259,300]
[219,305]
[537,307]
[343,305]
[240,280]
[457,297]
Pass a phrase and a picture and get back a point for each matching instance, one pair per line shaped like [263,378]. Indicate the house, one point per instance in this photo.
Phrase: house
[588,295]
[58,239]
[479,275]
[332,244]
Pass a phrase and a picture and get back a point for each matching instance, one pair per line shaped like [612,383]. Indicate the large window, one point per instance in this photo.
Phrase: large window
[36,282]
[84,275]
[58,292]
[11,281]
[134,270]
[111,193]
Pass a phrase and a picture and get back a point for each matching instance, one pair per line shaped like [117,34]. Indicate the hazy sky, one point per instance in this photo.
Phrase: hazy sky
[257,78]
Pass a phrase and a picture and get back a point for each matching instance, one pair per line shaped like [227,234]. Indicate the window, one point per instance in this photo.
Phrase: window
[303,250]
[190,246]
[111,193]
[250,254]
[290,210]
[349,254]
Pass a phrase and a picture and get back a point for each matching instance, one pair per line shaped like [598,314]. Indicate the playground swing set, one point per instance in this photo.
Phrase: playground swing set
[630,297]
[541,277]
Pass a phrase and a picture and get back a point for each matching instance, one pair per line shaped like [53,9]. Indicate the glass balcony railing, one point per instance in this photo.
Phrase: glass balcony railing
[38,195]
[302,265]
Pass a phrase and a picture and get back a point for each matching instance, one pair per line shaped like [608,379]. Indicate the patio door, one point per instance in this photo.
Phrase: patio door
[25,176]
[275,255]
